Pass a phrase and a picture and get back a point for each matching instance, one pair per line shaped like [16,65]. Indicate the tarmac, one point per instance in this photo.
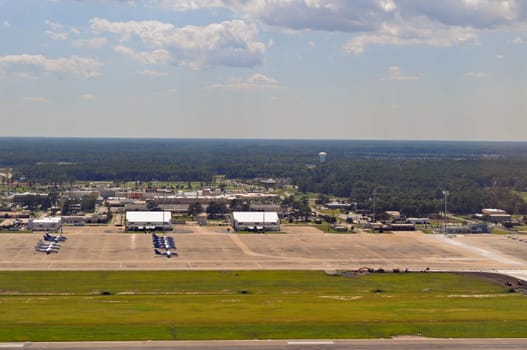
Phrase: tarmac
[297,248]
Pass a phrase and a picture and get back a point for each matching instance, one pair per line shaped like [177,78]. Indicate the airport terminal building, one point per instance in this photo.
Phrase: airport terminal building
[148,220]
[255,221]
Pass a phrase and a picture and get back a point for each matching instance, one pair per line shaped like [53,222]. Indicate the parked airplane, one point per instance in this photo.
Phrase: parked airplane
[163,242]
[51,238]
[166,253]
[47,248]
[48,244]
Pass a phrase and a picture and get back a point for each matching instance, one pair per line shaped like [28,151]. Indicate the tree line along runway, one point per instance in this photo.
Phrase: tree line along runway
[298,248]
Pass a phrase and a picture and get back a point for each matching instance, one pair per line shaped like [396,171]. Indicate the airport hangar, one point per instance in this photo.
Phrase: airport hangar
[148,220]
[255,221]
[52,224]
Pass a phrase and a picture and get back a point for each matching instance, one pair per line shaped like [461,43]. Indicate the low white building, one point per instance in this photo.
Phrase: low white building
[419,221]
[255,221]
[148,220]
[51,224]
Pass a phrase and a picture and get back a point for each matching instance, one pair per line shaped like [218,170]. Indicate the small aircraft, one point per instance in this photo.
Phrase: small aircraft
[50,238]
[47,244]
[163,242]
[47,247]
[166,253]
[164,245]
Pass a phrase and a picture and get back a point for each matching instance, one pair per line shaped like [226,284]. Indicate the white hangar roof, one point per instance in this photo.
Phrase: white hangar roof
[255,216]
[148,216]
[48,220]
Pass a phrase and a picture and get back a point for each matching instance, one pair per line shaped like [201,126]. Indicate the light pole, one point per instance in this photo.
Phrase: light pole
[374,194]
[445,195]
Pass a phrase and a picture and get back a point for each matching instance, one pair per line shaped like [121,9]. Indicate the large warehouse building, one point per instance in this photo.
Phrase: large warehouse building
[148,220]
[51,224]
[255,221]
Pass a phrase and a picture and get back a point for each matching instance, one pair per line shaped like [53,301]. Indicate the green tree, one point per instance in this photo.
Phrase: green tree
[194,209]
[216,210]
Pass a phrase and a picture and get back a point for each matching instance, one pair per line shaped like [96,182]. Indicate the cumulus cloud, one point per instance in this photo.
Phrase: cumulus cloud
[395,73]
[55,31]
[93,43]
[476,75]
[387,22]
[256,81]
[159,56]
[6,24]
[419,32]
[32,65]
[482,14]
[229,43]
[345,15]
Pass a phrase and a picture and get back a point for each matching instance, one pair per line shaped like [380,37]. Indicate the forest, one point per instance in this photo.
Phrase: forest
[409,176]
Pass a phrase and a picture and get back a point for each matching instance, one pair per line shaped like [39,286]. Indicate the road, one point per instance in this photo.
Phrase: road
[402,343]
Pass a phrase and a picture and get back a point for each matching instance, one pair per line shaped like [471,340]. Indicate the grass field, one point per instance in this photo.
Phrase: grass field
[61,306]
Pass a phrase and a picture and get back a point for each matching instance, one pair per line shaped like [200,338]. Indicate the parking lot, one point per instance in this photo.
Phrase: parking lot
[213,247]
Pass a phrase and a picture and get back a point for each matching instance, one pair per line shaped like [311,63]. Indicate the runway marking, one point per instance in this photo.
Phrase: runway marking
[12,345]
[310,343]
[132,243]
[480,251]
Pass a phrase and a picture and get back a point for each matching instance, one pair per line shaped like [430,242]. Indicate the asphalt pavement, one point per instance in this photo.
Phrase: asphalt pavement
[402,343]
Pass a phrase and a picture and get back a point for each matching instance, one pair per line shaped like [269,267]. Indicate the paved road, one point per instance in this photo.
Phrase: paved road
[404,343]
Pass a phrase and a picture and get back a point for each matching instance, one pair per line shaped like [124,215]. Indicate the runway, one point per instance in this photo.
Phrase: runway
[401,343]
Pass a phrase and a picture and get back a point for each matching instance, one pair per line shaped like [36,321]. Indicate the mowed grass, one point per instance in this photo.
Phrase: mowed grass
[66,306]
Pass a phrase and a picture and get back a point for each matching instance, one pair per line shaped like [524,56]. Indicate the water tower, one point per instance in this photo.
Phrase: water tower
[322,156]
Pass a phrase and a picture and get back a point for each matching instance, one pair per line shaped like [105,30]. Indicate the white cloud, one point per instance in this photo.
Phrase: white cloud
[311,43]
[256,81]
[54,25]
[55,31]
[229,43]
[359,15]
[93,43]
[441,23]
[499,56]
[159,56]
[420,32]
[75,30]
[35,99]
[517,41]
[6,24]
[477,75]
[395,73]
[32,65]
[56,35]
[88,97]
[152,73]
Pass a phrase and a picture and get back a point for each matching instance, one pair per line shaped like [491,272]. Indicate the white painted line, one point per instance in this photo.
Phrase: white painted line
[11,345]
[310,343]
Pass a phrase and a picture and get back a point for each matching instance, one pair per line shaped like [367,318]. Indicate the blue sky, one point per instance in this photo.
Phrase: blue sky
[327,69]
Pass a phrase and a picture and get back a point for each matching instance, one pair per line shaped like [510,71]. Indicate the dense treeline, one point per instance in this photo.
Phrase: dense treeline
[415,187]
[406,176]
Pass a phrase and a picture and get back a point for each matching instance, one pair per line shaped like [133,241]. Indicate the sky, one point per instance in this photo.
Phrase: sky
[286,69]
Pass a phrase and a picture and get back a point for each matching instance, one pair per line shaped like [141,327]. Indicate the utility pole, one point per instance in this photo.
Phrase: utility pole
[374,195]
[445,195]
